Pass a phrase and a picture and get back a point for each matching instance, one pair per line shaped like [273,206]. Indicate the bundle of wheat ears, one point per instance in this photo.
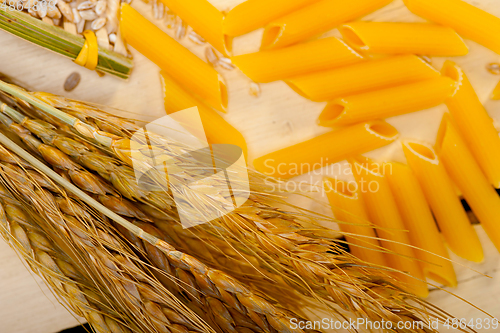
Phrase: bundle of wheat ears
[115,252]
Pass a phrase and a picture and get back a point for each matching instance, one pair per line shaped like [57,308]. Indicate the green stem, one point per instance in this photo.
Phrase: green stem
[19,93]
[60,41]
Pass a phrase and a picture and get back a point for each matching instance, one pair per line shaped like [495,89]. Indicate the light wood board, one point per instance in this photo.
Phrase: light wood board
[278,118]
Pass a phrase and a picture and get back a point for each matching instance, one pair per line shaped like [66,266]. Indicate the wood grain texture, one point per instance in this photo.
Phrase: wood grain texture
[278,118]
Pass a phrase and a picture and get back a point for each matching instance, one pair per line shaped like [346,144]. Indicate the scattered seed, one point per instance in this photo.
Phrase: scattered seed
[72,81]
[53,12]
[254,89]
[170,19]
[76,16]
[42,9]
[70,27]
[181,30]
[100,7]
[47,20]
[88,15]
[80,26]
[211,56]
[427,59]
[195,38]
[120,45]
[226,63]
[85,5]
[493,68]
[161,11]
[102,37]
[32,13]
[158,9]
[28,4]
[98,23]
[66,11]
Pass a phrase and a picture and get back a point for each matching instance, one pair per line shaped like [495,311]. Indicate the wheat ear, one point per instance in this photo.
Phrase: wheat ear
[140,300]
[58,270]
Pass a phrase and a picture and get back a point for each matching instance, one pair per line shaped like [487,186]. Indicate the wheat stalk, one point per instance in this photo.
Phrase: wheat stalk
[291,246]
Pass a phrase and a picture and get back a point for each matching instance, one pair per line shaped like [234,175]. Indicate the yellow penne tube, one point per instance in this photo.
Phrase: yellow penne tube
[474,123]
[186,68]
[205,19]
[254,14]
[387,102]
[362,77]
[403,38]
[496,92]
[419,222]
[217,130]
[326,149]
[469,21]
[467,175]
[445,204]
[347,206]
[315,19]
[321,54]
[383,212]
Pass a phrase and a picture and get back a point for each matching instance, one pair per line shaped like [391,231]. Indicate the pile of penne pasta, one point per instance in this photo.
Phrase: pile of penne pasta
[375,73]
[377,70]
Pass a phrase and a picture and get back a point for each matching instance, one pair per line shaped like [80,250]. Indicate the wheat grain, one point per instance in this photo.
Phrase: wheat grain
[493,68]
[254,89]
[72,81]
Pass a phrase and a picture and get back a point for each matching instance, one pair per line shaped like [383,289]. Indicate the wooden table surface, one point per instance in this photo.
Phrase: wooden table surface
[278,118]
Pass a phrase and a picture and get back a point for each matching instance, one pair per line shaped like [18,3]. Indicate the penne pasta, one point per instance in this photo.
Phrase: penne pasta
[325,149]
[217,130]
[445,204]
[254,14]
[467,175]
[496,92]
[362,77]
[387,102]
[403,38]
[187,69]
[347,206]
[315,19]
[474,123]
[469,21]
[205,19]
[383,212]
[321,54]
[419,222]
